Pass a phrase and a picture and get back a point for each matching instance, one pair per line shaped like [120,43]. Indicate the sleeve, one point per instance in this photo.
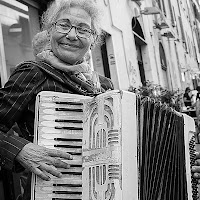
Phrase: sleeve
[14,97]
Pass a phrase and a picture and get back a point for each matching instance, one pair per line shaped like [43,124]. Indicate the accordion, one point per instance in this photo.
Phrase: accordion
[124,147]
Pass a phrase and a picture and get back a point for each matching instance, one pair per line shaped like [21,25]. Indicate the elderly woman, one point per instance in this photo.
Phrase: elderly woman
[70,29]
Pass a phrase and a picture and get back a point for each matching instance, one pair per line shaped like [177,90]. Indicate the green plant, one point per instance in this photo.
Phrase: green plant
[172,98]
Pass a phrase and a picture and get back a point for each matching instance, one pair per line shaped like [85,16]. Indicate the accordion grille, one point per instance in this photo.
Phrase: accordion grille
[161,152]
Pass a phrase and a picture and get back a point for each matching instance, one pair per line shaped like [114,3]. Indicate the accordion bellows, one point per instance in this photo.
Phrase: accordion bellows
[124,147]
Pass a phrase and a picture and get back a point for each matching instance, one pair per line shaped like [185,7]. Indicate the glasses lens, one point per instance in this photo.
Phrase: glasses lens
[83,32]
[63,26]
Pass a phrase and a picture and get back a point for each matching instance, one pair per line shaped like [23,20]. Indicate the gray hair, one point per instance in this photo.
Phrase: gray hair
[54,9]
[41,40]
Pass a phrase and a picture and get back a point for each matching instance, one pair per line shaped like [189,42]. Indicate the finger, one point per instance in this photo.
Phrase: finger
[196,169]
[60,154]
[197,154]
[196,175]
[51,169]
[197,162]
[58,163]
[40,173]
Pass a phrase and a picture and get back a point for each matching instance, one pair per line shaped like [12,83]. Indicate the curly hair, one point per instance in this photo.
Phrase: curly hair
[55,7]
[41,39]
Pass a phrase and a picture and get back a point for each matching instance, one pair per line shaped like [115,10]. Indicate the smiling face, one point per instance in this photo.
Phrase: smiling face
[68,47]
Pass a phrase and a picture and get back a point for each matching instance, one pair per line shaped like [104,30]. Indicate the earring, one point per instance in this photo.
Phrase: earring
[92,46]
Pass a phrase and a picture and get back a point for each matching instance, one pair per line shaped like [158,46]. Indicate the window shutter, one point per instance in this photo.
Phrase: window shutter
[182,30]
[171,13]
[164,9]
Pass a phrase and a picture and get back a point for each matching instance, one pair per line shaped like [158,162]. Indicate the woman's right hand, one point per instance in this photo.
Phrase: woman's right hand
[196,167]
[41,160]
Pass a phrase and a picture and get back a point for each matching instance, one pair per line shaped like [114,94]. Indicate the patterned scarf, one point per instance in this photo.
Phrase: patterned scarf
[82,70]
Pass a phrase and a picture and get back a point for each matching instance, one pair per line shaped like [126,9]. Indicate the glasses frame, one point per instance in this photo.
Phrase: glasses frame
[92,32]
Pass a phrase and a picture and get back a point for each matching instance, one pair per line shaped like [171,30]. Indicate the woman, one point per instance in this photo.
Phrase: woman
[70,29]
[187,97]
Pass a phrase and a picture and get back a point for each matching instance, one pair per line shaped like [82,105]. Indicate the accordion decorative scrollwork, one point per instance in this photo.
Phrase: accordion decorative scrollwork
[101,151]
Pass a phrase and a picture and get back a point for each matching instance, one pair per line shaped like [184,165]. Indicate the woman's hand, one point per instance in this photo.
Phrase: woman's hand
[40,160]
[196,168]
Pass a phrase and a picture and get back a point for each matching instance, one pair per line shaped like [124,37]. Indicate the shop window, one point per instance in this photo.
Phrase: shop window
[15,35]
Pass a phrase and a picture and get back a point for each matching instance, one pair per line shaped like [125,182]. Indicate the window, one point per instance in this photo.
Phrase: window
[171,9]
[100,59]
[182,30]
[161,5]
[16,31]
[163,62]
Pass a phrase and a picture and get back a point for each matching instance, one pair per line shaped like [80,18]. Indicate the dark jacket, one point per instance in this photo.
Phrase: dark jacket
[17,104]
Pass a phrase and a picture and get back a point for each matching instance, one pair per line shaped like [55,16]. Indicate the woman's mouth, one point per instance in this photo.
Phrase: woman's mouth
[67,45]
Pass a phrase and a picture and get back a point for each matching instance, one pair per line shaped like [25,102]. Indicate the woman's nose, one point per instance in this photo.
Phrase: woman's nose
[72,34]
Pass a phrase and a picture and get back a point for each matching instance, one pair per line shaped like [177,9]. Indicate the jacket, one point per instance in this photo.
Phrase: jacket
[17,104]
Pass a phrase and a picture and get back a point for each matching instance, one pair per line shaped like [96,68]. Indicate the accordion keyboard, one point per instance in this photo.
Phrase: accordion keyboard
[59,126]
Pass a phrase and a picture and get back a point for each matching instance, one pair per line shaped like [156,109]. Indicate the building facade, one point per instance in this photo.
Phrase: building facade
[147,40]
[160,45]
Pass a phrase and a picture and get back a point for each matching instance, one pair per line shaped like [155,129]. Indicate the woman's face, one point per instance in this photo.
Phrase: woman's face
[68,47]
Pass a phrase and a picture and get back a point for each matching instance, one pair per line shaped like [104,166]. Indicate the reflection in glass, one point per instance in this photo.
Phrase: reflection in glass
[15,27]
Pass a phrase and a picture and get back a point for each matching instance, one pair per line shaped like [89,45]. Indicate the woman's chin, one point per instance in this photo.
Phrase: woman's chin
[69,60]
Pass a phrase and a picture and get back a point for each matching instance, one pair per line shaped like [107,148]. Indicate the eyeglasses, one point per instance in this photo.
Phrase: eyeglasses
[64,26]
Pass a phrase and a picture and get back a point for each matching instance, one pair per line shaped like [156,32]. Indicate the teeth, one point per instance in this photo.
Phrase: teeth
[69,45]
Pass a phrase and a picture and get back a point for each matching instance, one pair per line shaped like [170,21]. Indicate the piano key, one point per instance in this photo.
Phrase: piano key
[67,196]
[73,162]
[73,181]
[59,124]
[57,118]
[67,176]
[71,169]
[61,113]
[62,99]
[60,104]
[50,189]
[51,130]
[69,103]
[69,109]
[52,136]
[72,151]
[70,144]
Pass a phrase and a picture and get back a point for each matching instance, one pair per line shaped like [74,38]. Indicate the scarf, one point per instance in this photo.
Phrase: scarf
[81,70]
